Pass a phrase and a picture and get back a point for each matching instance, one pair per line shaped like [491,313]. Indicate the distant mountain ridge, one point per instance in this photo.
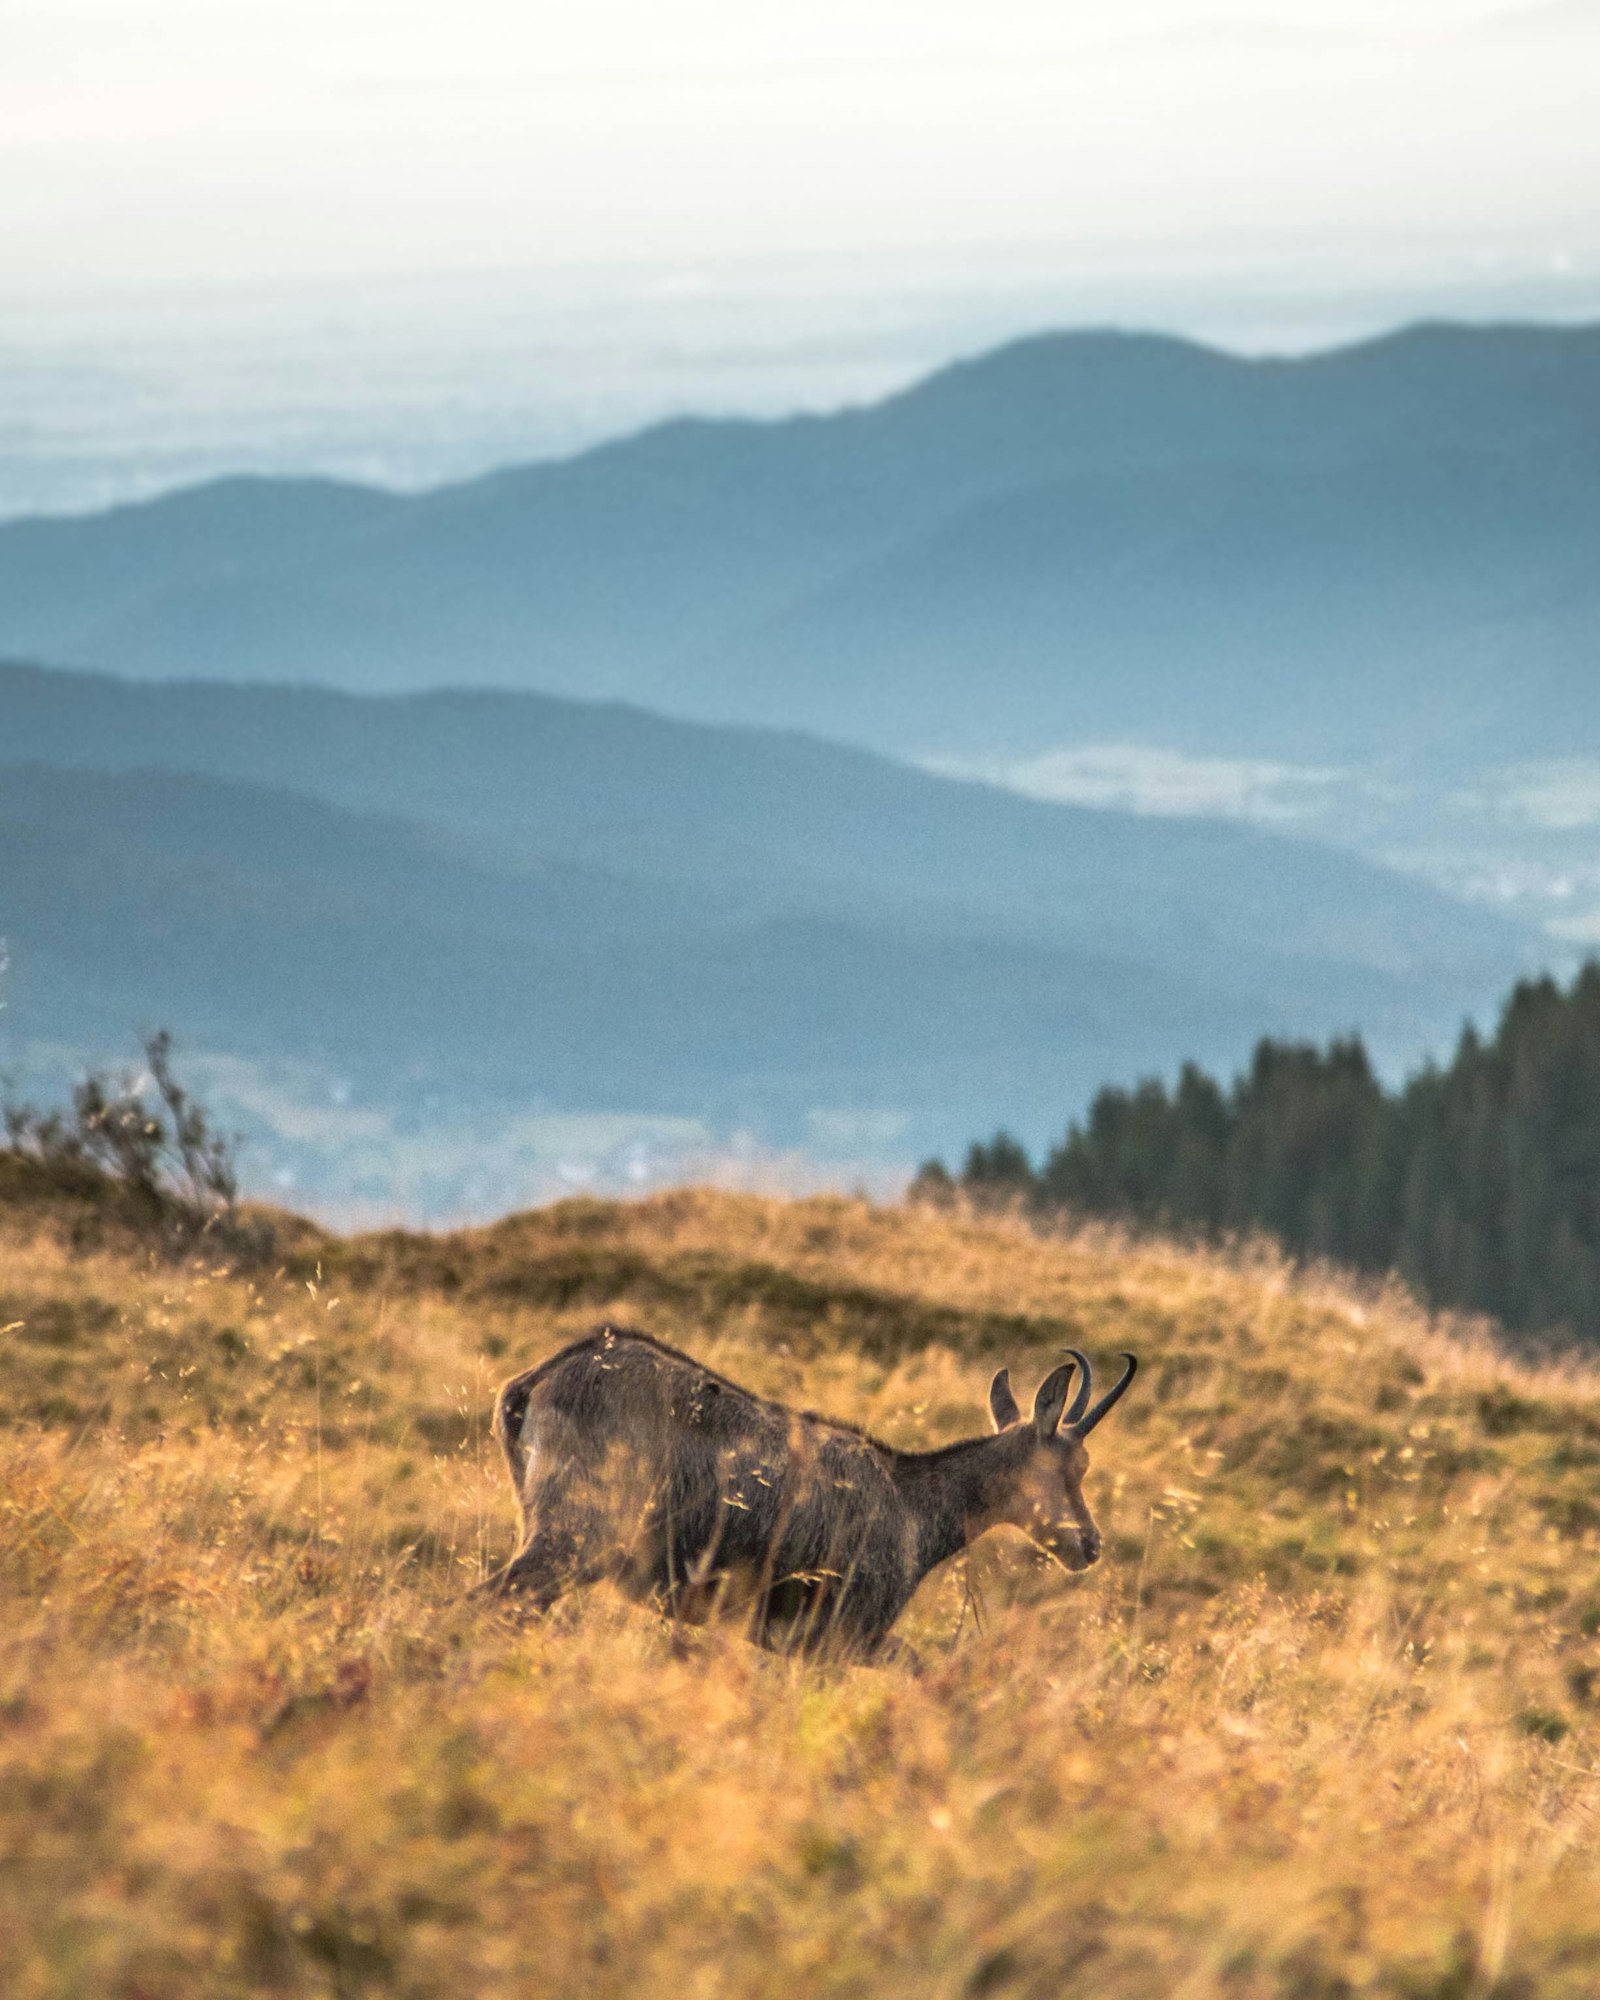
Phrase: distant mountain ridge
[1380,552]
[485,901]
[758,822]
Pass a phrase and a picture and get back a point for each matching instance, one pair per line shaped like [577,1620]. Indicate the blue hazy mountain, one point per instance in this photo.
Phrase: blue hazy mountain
[753,823]
[1380,553]
[269,925]
[496,899]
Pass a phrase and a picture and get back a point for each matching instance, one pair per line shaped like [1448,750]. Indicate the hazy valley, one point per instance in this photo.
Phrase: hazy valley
[540,882]
[456,914]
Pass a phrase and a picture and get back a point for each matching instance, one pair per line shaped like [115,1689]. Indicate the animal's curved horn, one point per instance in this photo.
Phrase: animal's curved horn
[1050,1412]
[1086,1424]
[1080,1401]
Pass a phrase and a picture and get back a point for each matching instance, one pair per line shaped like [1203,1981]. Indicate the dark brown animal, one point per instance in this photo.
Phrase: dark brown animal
[634,1462]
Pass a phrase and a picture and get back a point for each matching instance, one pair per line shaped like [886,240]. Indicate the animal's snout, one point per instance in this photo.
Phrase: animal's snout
[1071,1546]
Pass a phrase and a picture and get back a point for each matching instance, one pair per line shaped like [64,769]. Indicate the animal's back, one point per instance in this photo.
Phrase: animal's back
[615,1386]
[655,1465]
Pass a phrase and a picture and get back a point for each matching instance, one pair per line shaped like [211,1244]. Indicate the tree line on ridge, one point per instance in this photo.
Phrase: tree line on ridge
[1478,1184]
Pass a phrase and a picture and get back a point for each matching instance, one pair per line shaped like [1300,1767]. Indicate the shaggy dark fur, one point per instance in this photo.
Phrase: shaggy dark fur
[633,1461]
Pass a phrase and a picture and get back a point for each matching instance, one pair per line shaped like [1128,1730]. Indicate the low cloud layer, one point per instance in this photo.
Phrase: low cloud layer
[1139,777]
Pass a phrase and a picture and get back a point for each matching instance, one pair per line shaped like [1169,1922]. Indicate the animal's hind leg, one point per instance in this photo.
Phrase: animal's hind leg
[546,1567]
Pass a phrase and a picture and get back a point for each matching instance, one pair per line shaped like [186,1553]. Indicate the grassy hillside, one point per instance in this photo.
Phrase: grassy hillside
[1324,1719]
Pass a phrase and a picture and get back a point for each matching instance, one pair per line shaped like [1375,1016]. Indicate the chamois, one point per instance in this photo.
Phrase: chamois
[633,1461]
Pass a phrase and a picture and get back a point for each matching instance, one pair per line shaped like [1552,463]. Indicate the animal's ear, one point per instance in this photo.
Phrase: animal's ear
[1002,1404]
[1052,1399]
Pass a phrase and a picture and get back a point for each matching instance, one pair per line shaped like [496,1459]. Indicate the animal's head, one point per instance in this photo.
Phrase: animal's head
[1043,1489]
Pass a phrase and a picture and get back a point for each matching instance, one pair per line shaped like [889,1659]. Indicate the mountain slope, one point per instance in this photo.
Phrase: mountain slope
[756,824]
[1395,609]
[1057,535]
[269,925]
[456,909]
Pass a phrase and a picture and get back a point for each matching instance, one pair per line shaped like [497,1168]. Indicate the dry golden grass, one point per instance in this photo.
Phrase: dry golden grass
[1324,1721]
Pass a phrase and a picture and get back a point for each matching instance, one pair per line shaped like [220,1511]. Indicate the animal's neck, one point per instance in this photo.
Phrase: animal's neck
[954,1494]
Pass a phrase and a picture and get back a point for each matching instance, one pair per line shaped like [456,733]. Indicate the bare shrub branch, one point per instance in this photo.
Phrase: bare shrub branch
[174,1171]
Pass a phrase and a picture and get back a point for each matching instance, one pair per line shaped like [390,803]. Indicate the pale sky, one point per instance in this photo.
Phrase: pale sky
[198,141]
